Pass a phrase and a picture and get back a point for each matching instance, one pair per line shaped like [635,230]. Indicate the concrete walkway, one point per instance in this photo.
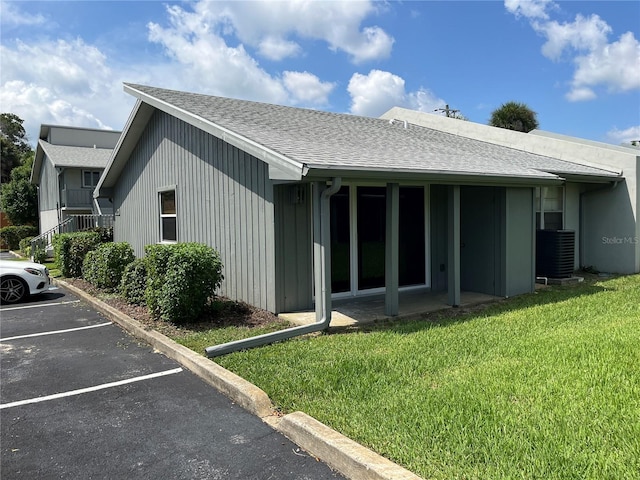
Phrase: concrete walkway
[370,308]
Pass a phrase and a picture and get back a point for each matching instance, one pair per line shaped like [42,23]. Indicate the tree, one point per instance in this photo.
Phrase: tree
[514,116]
[14,144]
[12,129]
[18,197]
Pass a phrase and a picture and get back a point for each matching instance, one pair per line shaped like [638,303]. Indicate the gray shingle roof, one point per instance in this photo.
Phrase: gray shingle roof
[325,140]
[80,157]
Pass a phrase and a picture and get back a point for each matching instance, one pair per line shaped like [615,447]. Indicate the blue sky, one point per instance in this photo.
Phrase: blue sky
[576,63]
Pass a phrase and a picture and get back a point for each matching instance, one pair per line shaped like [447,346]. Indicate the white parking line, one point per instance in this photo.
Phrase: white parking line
[54,332]
[90,389]
[39,305]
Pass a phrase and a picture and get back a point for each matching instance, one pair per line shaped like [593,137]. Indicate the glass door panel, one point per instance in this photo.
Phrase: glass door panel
[411,270]
[340,245]
[371,236]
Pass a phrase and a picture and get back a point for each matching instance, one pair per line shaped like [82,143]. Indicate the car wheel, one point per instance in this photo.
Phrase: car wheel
[12,290]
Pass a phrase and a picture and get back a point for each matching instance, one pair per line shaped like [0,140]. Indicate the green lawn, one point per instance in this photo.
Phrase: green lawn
[545,385]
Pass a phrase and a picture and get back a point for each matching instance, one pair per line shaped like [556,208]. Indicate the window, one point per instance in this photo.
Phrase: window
[90,178]
[168,217]
[552,204]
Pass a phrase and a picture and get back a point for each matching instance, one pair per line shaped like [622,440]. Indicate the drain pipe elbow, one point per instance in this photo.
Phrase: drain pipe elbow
[264,339]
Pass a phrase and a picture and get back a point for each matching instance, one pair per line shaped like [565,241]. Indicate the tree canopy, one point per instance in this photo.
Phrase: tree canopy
[13,139]
[514,116]
[18,197]
[13,130]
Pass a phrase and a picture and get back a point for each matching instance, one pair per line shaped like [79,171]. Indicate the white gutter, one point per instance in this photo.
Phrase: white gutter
[322,272]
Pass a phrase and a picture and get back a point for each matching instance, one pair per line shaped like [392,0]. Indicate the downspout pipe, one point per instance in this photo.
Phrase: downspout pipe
[322,263]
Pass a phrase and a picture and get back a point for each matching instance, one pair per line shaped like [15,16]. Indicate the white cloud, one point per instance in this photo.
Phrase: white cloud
[209,65]
[307,88]
[265,25]
[276,48]
[11,16]
[582,34]
[615,65]
[61,82]
[585,41]
[624,136]
[580,94]
[528,8]
[377,92]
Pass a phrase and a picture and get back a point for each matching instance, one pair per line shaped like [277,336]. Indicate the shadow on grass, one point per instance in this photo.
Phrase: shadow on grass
[449,316]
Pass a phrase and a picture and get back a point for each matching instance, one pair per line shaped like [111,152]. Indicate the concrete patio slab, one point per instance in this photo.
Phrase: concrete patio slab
[370,308]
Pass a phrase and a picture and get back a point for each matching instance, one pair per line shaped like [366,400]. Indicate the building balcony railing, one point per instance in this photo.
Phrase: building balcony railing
[77,198]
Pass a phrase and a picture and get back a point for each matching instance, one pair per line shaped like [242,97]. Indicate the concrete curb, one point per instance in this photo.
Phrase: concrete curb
[341,453]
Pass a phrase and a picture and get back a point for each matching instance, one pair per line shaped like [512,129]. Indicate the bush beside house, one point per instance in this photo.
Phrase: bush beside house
[133,286]
[175,281]
[70,250]
[104,266]
[181,279]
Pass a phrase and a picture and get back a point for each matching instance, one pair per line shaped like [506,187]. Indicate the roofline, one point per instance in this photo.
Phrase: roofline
[509,138]
[138,118]
[34,178]
[45,127]
[434,176]
[284,166]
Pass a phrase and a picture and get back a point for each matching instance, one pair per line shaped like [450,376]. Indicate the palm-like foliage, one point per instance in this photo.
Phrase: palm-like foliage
[514,116]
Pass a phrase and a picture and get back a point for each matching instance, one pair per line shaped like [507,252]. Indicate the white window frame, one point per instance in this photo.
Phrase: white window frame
[541,205]
[162,216]
[353,239]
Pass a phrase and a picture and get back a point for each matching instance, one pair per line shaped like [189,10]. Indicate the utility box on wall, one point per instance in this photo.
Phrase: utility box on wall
[555,251]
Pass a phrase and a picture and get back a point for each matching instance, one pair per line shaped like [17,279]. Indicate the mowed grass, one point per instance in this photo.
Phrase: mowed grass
[545,385]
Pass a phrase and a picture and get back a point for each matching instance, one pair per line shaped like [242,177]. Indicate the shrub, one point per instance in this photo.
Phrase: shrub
[70,250]
[12,234]
[181,279]
[104,266]
[134,282]
[25,246]
[39,253]
[106,233]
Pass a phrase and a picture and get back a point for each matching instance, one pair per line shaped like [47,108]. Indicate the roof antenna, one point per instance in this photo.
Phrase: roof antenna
[447,111]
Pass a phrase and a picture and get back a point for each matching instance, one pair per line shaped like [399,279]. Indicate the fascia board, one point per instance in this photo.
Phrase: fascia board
[449,178]
[136,122]
[36,168]
[270,157]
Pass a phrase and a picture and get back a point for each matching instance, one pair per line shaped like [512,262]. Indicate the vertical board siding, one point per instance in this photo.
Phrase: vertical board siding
[224,198]
[48,192]
[294,256]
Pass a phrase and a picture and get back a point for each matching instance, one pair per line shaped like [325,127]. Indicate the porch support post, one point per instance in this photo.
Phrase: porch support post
[318,264]
[392,245]
[453,227]
[322,247]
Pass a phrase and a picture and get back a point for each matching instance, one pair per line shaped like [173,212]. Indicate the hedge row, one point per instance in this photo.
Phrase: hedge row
[13,234]
[70,250]
[104,266]
[174,281]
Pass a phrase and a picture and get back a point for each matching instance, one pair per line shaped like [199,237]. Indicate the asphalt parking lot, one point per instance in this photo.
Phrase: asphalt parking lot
[80,398]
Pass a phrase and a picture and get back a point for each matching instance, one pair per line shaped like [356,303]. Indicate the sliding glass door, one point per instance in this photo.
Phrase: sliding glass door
[358,233]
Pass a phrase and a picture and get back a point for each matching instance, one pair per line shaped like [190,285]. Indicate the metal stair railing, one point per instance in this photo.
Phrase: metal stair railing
[73,223]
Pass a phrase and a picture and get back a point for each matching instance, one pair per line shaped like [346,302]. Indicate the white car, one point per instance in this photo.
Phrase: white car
[19,279]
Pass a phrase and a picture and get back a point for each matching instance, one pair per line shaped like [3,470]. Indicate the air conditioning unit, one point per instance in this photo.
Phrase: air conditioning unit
[555,252]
